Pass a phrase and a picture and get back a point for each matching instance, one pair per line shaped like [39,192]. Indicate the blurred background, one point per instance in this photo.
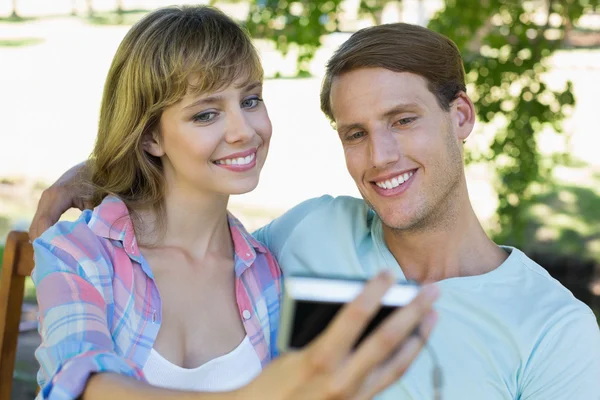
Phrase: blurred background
[533,70]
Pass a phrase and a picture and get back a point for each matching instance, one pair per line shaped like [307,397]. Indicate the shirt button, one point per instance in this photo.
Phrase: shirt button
[246,314]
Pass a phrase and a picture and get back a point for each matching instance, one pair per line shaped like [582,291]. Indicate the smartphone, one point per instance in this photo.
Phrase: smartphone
[310,303]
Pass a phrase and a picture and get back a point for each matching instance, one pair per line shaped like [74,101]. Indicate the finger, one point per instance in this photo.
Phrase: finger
[385,340]
[38,226]
[394,369]
[87,205]
[341,334]
[80,204]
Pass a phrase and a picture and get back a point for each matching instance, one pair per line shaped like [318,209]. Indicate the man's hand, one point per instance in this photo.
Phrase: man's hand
[67,192]
[329,368]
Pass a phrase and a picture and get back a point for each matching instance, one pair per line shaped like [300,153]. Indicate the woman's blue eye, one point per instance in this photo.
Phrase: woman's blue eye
[251,102]
[205,117]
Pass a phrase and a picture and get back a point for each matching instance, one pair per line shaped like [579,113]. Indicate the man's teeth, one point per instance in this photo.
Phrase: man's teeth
[237,161]
[395,182]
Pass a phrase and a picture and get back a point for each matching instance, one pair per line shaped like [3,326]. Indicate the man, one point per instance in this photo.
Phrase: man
[507,330]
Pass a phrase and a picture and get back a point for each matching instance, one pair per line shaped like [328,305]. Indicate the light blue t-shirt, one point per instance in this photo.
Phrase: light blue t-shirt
[512,333]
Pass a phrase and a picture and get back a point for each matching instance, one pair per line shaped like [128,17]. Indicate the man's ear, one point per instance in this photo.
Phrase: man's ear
[152,145]
[463,116]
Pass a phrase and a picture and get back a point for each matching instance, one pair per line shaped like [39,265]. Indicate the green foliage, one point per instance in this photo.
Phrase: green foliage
[373,9]
[298,23]
[505,54]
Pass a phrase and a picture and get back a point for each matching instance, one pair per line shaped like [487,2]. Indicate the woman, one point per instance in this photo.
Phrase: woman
[159,286]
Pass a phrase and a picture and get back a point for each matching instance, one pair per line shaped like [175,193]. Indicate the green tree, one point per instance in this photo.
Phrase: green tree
[298,23]
[505,52]
[90,8]
[374,8]
[505,49]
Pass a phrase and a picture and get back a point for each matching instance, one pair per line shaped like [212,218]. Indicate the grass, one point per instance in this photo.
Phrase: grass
[126,17]
[20,42]
[15,19]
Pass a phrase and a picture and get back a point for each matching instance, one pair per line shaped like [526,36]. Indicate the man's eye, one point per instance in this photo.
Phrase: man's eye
[406,121]
[356,135]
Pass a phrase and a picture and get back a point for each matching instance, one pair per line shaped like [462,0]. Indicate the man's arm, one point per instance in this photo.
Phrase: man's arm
[69,191]
[566,365]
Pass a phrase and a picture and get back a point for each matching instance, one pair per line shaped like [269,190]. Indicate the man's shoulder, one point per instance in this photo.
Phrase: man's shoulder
[547,288]
[313,220]
[329,208]
[325,213]
[329,202]
[563,361]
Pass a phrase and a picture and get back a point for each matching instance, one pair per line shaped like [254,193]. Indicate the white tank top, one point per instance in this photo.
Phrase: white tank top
[228,372]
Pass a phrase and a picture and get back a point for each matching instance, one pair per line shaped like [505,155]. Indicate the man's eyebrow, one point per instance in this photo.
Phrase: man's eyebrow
[397,109]
[400,108]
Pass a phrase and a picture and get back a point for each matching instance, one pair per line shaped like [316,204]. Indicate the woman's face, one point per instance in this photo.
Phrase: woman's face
[215,142]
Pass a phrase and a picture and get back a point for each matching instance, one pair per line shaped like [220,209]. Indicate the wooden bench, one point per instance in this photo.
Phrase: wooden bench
[16,266]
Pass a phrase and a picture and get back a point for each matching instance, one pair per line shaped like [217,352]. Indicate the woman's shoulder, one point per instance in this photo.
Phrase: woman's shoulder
[75,242]
[66,235]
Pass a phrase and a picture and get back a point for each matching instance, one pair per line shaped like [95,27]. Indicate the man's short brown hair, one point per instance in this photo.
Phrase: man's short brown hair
[400,47]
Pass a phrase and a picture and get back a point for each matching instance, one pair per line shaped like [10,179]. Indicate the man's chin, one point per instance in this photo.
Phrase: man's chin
[394,219]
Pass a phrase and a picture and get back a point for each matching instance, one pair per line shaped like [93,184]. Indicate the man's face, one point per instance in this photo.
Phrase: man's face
[402,149]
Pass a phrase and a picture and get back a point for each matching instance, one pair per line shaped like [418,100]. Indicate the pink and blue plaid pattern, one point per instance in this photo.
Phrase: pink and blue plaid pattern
[99,306]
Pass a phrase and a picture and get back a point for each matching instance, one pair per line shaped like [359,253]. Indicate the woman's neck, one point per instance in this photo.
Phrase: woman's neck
[192,221]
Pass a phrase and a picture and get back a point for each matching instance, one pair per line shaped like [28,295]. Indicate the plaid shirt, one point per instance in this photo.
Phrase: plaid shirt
[100,309]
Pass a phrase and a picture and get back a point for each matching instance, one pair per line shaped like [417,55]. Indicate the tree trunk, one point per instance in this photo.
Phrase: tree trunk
[14,13]
[90,8]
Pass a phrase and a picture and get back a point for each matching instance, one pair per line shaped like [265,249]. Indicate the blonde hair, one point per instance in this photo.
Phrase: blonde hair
[153,68]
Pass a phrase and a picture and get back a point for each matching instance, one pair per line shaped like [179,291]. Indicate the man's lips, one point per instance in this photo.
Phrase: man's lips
[395,183]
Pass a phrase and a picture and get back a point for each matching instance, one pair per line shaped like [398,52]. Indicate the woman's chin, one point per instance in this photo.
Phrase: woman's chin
[241,187]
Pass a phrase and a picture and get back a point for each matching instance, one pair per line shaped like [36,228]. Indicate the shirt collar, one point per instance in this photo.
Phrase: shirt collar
[245,245]
[111,220]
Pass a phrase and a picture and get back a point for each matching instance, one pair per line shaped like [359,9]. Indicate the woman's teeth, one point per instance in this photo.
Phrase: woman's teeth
[237,161]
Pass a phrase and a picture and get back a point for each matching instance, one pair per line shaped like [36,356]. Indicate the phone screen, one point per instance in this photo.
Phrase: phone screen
[310,303]
[311,318]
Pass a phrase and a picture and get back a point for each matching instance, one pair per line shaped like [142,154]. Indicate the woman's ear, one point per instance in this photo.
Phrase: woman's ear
[151,144]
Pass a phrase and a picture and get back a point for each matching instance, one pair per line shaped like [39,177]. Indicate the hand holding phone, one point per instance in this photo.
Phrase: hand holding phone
[310,303]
